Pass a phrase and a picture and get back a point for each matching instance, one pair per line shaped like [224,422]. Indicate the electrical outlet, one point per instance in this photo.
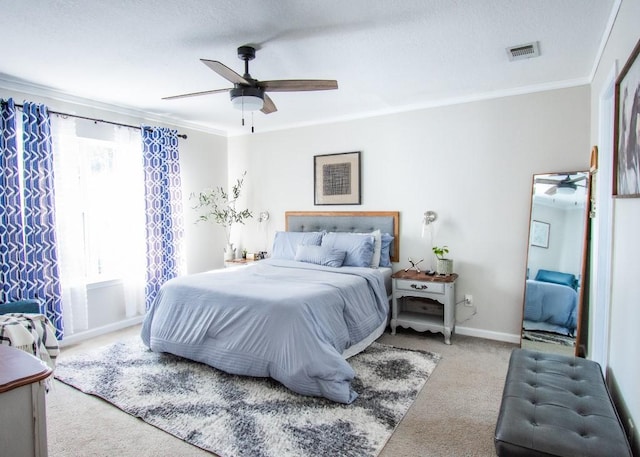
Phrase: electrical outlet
[468,300]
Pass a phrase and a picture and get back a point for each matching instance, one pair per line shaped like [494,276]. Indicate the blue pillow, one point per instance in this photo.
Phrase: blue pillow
[286,243]
[320,255]
[359,247]
[556,277]
[385,255]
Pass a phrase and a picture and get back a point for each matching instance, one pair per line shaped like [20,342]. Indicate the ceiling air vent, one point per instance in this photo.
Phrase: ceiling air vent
[523,51]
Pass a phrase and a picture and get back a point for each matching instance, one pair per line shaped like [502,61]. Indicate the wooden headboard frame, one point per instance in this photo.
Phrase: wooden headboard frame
[347,221]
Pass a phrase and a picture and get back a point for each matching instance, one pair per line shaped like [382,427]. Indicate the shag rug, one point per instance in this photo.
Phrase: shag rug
[242,416]
[548,337]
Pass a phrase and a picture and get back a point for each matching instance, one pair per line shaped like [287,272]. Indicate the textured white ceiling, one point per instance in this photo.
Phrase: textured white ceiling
[387,55]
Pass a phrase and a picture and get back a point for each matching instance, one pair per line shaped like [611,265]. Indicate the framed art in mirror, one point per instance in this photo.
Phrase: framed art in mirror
[626,149]
[336,179]
[540,234]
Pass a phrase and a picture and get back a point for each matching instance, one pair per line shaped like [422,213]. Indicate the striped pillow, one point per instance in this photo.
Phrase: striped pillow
[320,255]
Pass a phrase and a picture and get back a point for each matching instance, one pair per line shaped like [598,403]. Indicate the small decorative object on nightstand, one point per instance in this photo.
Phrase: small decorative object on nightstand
[444,266]
[433,308]
[414,265]
[239,262]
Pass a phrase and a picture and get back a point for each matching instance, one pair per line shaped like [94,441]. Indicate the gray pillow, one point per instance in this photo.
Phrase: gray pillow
[286,243]
[359,247]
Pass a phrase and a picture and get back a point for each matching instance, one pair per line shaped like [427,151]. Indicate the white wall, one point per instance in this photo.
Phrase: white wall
[623,370]
[203,164]
[471,163]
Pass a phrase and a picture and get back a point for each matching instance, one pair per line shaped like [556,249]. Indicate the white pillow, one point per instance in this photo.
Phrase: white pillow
[377,248]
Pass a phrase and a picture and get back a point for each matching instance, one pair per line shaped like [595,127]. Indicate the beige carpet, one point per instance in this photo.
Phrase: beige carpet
[454,415]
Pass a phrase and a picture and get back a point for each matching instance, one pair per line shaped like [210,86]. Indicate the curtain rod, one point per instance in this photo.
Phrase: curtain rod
[181,135]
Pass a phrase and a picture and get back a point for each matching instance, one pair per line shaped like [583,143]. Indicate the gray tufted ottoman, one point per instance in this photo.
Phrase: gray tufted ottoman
[555,405]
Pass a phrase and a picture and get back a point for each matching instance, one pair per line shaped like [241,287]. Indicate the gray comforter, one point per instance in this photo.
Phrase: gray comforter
[279,318]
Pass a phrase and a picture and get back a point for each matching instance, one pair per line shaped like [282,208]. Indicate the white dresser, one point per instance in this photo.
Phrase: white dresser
[23,425]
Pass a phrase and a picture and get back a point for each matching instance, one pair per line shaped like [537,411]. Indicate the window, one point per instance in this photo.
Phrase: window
[99,197]
[100,188]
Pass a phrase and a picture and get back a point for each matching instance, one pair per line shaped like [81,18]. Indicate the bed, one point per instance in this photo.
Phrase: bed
[295,317]
[551,301]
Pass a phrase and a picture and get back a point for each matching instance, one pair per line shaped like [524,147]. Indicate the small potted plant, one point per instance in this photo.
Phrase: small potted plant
[444,266]
[219,206]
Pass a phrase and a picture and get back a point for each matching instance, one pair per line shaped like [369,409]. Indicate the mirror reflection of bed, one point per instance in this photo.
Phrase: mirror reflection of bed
[554,286]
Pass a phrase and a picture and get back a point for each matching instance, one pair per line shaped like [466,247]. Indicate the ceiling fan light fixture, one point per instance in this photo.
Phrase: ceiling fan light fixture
[248,103]
[566,190]
[247,98]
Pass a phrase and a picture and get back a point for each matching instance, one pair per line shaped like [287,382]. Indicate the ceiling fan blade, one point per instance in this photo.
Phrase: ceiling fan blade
[224,71]
[295,85]
[268,106]
[547,181]
[196,94]
[552,190]
[577,179]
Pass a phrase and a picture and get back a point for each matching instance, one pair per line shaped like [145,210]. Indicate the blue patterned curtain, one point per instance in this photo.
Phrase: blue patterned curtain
[41,258]
[29,265]
[12,264]
[163,195]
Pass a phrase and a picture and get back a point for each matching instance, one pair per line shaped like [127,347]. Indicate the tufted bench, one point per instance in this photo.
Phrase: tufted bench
[557,405]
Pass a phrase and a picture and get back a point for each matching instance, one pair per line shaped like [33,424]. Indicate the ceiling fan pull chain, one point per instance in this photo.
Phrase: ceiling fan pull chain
[243,111]
[252,131]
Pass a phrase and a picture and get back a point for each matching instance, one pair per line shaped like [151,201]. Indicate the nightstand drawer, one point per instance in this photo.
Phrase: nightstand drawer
[420,286]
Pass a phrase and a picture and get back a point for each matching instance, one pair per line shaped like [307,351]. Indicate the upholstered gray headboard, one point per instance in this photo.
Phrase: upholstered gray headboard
[348,221]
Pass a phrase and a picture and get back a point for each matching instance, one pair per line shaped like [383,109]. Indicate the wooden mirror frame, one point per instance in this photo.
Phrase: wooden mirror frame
[581,335]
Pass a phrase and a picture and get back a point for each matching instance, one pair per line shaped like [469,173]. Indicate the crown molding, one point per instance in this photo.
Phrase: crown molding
[555,85]
[12,84]
[43,91]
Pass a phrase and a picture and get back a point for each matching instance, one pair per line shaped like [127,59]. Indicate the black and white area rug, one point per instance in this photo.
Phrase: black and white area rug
[236,416]
[549,337]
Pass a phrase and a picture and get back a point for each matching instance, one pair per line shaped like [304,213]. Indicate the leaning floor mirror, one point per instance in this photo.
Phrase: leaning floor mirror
[556,263]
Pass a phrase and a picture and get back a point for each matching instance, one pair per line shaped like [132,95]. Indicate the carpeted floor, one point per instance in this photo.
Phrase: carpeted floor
[454,415]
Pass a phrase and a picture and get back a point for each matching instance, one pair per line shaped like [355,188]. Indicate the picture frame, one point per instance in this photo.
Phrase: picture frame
[626,147]
[336,179]
[540,234]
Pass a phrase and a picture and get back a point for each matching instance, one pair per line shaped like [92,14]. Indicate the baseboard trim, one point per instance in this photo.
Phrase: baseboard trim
[88,334]
[489,335]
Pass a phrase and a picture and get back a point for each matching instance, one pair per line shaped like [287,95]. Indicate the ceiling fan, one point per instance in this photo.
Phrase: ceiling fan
[249,94]
[566,185]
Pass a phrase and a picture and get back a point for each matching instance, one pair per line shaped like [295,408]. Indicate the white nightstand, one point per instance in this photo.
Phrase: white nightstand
[238,262]
[435,309]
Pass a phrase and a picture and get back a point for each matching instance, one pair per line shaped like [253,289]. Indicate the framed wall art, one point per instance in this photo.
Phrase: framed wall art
[540,234]
[626,148]
[336,179]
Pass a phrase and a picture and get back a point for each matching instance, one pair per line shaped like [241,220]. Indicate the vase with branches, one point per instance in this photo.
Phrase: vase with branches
[219,206]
